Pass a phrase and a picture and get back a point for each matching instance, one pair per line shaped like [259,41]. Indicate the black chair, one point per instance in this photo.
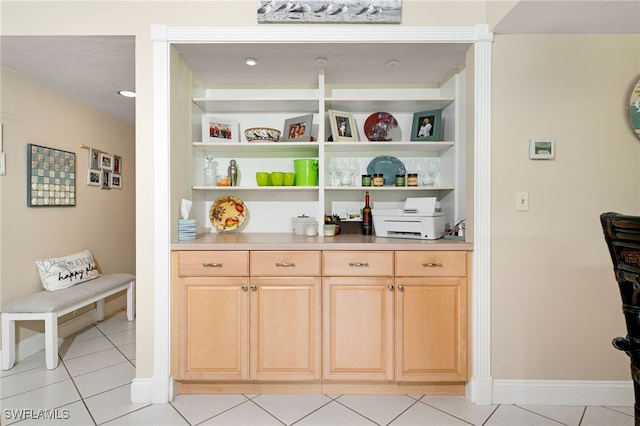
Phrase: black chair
[622,234]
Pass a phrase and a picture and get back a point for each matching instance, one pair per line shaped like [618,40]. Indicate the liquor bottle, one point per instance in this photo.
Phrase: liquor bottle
[367,219]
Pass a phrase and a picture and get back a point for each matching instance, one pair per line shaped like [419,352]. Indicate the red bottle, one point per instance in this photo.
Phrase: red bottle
[367,219]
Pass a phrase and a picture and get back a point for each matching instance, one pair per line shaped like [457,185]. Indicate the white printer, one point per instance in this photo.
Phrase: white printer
[415,218]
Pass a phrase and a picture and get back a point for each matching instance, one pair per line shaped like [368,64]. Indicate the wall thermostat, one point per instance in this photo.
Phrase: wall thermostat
[542,149]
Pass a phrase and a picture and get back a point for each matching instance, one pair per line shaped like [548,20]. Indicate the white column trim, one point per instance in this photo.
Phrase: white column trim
[479,389]
[480,386]
[160,382]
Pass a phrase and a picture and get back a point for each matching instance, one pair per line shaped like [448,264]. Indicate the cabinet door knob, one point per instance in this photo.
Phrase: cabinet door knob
[253,287]
[359,264]
[285,265]
[390,287]
[432,265]
[212,265]
[400,287]
[244,287]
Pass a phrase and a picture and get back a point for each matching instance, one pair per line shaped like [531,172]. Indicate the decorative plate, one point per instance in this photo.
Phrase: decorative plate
[388,166]
[634,108]
[227,213]
[382,126]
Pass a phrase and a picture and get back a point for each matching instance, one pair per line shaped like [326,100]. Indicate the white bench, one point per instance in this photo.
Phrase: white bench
[47,306]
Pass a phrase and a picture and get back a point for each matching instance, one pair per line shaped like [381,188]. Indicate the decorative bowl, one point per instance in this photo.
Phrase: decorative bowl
[262,134]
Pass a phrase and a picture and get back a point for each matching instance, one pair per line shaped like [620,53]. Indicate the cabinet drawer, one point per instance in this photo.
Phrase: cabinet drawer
[285,263]
[211,263]
[431,263]
[358,263]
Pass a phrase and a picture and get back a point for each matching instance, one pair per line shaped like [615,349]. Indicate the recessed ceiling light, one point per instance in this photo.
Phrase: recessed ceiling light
[393,63]
[251,61]
[320,61]
[127,93]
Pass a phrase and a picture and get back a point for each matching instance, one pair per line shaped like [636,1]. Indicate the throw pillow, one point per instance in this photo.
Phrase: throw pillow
[57,273]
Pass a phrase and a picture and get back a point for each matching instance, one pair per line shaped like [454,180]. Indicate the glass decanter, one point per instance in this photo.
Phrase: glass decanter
[210,171]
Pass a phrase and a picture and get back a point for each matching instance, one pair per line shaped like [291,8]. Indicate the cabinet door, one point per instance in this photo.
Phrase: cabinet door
[214,324]
[358,328]
[285,328]
[431,329]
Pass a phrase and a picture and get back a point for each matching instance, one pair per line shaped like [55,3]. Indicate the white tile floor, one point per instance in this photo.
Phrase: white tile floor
[91,386]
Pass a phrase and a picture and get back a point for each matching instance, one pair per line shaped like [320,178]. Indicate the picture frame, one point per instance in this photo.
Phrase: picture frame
[94,159]
[51,177]
[106,179]
[343,126]
[117,164]
[106,161]
[298,129]
[218,129]
[94,177]
[427,126]
[542,149]
[115,181]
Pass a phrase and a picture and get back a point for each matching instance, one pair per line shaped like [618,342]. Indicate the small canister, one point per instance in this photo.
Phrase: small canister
[412,179]
[366,180]
[378,179]
[400,180]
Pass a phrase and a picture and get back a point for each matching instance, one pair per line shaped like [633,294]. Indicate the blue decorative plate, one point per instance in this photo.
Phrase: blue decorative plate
[388,166]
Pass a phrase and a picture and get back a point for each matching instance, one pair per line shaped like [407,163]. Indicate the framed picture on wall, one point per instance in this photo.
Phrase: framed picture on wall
[117,164]
[94,177]
[542,149]
[116,181]
[94,159]
[106,161]
[106,179]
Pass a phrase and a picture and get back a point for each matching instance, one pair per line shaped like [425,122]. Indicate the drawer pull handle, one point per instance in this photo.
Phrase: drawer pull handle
[359,264]
[432,265]
[400,287]
[244,287]
[212,265]
[285,264]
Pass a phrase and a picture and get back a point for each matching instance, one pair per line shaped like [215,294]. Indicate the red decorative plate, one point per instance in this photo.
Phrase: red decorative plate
[227,213]
[382,126]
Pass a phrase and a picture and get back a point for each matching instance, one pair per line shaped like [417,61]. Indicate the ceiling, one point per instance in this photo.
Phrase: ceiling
[93,68]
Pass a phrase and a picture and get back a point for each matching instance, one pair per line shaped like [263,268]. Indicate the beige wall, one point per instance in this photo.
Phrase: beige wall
[555,303]
[102,220]
[554,309]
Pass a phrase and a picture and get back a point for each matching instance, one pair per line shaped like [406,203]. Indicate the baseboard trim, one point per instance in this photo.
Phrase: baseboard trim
[141,391]
[563,392]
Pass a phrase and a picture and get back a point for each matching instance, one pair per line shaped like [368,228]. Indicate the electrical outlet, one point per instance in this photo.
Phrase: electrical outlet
[2,164]
[522,201]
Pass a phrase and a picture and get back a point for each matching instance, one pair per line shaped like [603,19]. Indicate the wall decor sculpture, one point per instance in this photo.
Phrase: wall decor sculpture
[51,177]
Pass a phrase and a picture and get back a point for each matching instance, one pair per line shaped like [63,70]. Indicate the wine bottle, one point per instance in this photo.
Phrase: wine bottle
[367,219]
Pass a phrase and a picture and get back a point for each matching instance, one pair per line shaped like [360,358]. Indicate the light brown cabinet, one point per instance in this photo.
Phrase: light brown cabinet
[431,316]
[251,327]
[330,318]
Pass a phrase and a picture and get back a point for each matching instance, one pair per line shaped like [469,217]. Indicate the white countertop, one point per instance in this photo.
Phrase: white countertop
[288,241]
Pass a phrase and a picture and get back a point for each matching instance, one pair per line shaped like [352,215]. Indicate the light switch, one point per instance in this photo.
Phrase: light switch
[522,201]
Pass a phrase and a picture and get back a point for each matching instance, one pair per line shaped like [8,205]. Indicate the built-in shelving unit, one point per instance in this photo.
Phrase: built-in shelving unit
[273,207]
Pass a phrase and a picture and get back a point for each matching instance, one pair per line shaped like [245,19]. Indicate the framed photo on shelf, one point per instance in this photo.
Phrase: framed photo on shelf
[94,159]
[217,129]
[94,177]
[298,129]
[343,126]
[542,149]
[116,181]
[106,161]
[426,125]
